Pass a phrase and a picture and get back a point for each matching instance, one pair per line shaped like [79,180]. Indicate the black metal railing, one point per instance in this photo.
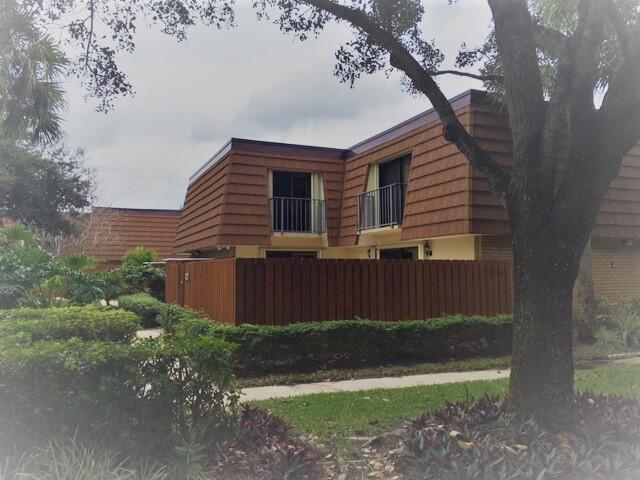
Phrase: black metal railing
[383,207]
[302,215]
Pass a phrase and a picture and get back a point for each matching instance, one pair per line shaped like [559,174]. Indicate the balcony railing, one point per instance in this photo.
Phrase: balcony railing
[383,207]
[297,215]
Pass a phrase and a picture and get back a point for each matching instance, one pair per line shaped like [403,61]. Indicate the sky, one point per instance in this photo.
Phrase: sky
[251,81]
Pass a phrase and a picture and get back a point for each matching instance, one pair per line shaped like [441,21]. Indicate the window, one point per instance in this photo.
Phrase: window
[293,206]
[291,185]
[291,254]
[382,205]
[410,253]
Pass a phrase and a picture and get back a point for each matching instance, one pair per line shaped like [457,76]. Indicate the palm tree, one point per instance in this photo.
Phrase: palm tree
[31,67]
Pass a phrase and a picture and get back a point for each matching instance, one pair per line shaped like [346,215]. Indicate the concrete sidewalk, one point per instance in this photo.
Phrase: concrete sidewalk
[282,391]
[275,391]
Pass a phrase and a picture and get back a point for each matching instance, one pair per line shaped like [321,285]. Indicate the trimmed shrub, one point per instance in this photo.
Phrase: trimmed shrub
[86,323]
[146,306]
[156,313]
[141,397]
[347,343]
[171,316]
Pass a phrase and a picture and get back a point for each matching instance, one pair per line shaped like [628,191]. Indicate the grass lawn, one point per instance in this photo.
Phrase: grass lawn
[335,417]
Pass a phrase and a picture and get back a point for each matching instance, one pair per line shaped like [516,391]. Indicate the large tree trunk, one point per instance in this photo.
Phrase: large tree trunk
[542,359]
[584,299]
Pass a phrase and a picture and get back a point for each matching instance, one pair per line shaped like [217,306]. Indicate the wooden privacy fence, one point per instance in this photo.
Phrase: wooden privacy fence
[285,291]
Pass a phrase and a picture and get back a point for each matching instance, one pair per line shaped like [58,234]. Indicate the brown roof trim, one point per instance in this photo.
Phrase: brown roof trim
[151,211]
[461,100]
[273,148]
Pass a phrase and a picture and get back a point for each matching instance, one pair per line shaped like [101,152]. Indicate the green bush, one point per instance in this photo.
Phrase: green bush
[86,323]
[142,397]
[143,278]
[171,316]
[146,306]
[348,343]
[619,324]
[25,269]
[156,313]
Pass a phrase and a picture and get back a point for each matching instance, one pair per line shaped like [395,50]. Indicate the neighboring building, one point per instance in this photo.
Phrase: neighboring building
[110,233]
[404,193]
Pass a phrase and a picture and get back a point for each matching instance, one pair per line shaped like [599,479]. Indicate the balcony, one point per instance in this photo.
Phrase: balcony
[381,208]
[297,215]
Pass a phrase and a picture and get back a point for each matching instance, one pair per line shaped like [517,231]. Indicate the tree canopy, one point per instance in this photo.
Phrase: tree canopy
[44,189]
[31,69]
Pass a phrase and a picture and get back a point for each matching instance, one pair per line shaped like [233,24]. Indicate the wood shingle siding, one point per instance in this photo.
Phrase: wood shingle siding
[619,215]
[437,199]
[112,232]
[229,203]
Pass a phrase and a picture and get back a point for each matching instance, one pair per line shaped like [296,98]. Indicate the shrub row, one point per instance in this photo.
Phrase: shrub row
[359,342]
[86,323]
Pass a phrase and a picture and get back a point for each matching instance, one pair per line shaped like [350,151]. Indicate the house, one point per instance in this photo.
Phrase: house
[405,193]
[110,233]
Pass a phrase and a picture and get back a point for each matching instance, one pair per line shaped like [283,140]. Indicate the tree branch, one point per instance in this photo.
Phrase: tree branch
[402,59]
[514,31]
[549,40]
[484,78]
[90,38]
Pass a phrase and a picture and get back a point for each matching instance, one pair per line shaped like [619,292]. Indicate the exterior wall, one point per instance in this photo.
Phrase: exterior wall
[453,248]
[229,203]
[616,263]
[202,212]
[494,248]
[619,215]
[616,268]
[437,199]
[110,233]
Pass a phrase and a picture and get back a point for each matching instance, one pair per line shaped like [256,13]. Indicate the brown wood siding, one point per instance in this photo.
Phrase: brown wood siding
[246,211]
[112,232]
[619,215]
[437,198]
[202,211]
[229,204]
[281,292]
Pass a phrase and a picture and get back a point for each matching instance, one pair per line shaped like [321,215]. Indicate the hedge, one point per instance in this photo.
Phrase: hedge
[306,346]
[86,323]
[156,313]
[146,306]
[141,397]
